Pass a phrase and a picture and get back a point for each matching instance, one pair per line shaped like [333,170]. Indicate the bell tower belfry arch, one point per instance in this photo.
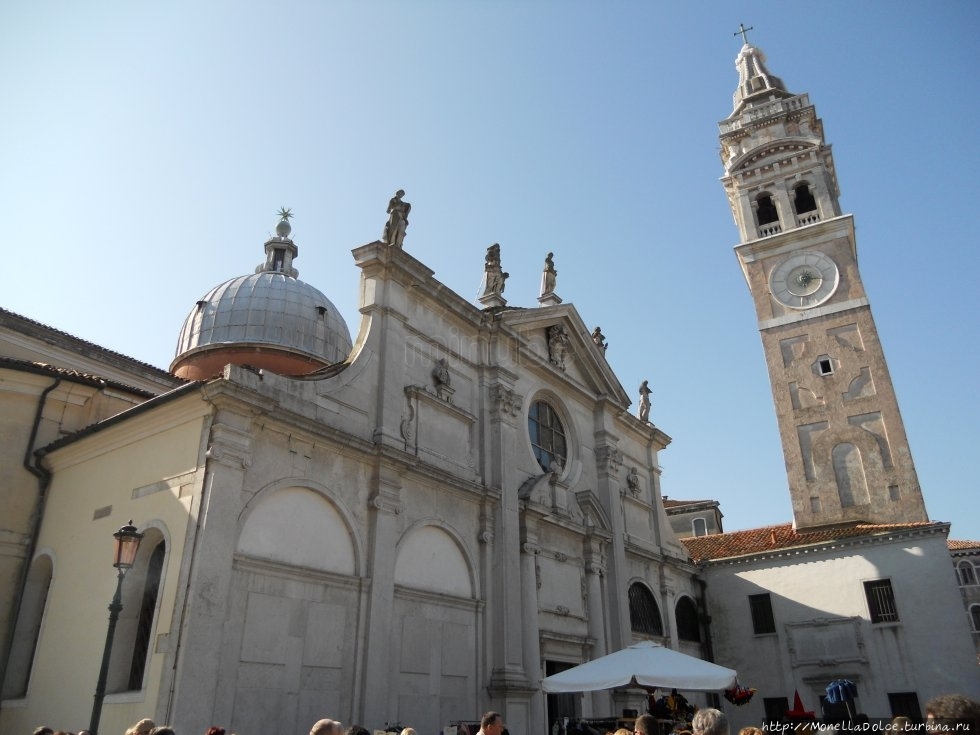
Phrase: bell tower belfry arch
[846,451]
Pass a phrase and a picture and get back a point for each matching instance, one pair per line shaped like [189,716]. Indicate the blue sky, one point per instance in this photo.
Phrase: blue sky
[145,148]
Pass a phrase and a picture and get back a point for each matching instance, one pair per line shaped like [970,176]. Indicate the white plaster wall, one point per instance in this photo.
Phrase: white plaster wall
[812,596]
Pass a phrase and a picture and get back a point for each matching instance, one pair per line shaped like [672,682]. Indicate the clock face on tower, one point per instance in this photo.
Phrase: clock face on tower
[804,279]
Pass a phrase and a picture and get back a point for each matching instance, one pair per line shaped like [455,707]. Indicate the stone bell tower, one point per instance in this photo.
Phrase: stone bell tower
[847,456]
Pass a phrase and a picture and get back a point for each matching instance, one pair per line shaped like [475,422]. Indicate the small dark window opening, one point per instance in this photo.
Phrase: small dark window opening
[547,435]
[700,527]
[763,621]
[278,258]
[766,211]
[905,704]
[644,612]
[151,589]
[826,366]
[804,201]
[881,601]
[776,708]
[688,625]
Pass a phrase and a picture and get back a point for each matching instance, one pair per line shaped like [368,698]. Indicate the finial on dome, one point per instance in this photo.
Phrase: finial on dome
[283,228]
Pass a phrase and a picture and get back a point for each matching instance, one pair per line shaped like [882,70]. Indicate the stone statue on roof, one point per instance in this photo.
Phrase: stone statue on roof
[494,279]
[645,401]
[397,223]
[549,276]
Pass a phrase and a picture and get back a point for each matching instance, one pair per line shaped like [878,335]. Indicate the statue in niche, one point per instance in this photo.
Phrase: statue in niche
[555,466]
[645,401]
[557,345]
[397,223]
[494,276]
[441,379]
[599,338]
[549,276]
[633,481]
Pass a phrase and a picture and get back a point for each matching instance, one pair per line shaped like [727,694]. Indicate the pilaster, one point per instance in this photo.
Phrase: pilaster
[384,505]
[202,627]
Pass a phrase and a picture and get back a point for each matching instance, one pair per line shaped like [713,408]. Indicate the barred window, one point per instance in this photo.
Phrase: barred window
[763,621]
[881,601]
[644,612]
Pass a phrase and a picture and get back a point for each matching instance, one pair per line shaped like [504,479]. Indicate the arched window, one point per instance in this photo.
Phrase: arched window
[28,628]
[141,589]
[766,210]
[547,435]
[686,614]
[803,200]
[644,611]
[975,618]
[699,526]
[967,573]
[151,588]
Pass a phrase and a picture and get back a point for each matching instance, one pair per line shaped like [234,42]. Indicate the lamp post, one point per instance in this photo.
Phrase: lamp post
[127,544]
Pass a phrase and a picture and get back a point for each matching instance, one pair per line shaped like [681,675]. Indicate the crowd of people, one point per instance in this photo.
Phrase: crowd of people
[945,713]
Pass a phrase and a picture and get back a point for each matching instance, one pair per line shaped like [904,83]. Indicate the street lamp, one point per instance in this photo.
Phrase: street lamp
[127,544]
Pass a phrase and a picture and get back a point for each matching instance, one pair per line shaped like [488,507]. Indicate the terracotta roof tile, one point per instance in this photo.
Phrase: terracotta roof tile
[961,545]
[669,503]
[783,536]
[17,321]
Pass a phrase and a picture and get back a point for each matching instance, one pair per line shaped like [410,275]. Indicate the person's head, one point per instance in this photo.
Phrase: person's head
[409,731]
[899,724]
[43,730]
[953,707]
[326,727]
[142,727]
[622,731]
[214,730]
[356,730]
[645,724]
[750,731]
[492,723]
[710,721]
[162,730]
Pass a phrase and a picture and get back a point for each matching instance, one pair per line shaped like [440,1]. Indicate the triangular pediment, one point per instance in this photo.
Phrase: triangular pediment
[579,360]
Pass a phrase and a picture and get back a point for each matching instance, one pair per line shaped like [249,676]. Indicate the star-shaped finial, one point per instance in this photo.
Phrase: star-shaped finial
[285,213]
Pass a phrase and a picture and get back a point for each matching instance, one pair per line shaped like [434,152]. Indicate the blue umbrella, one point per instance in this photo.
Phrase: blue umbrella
[842,691]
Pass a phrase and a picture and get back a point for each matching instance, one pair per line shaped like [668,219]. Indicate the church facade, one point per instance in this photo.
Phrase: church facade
[419,523]
[413,533]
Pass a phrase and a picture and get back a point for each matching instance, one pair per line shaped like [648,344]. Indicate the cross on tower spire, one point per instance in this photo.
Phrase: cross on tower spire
[744,31]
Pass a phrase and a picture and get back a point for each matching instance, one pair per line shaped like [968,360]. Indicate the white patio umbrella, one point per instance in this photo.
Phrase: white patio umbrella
[646,664]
